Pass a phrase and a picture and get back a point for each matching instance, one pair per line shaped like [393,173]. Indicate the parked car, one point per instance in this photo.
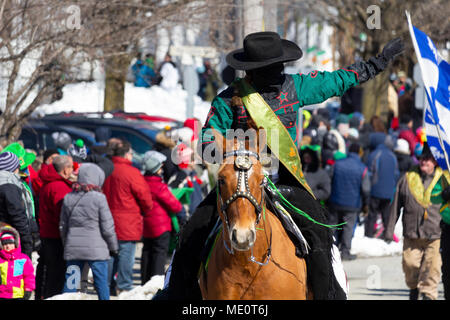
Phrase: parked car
[158,122]
[37,135]
[141,134]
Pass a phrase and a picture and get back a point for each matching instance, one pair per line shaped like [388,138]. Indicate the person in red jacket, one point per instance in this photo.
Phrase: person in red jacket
[51,268]
[157,222]
[129,199]
[48,157]
[406,132]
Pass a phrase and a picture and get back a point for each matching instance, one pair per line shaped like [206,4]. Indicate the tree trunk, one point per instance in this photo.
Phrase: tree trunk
[116,68]
[375,97]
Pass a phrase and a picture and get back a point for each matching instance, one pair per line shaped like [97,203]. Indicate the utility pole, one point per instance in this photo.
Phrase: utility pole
[270,15]
[253,16]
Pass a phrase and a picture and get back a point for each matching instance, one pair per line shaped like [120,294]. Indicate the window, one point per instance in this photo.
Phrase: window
[138,144]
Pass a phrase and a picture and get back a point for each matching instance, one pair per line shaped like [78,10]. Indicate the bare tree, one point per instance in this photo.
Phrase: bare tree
[356,35]
[43,43]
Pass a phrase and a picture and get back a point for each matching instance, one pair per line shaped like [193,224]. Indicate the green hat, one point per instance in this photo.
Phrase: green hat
[25,158]
[342,118]
[183,194]
[339,155]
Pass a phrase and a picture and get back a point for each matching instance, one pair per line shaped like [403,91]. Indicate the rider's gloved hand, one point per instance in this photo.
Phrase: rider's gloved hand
[367,70]
[393,48]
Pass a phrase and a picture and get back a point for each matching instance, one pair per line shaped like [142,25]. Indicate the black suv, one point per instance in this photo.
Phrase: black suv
[37,135]
[140,133]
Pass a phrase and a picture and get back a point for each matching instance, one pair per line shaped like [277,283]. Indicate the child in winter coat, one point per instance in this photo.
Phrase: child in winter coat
[157,222]
[17,280]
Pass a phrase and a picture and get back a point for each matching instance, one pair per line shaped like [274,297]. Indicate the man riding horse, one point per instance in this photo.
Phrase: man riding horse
[272,99]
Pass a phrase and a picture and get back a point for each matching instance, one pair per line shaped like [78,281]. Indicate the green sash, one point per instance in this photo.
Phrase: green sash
[286,150]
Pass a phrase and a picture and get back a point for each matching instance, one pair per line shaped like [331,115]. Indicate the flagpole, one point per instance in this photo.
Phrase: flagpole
[416,49]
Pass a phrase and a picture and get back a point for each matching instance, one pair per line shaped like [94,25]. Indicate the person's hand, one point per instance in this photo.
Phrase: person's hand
[27,295]
[114,253]
[446,194]
[393,48]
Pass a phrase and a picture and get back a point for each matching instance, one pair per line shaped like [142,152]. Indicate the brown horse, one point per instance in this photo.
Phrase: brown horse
[253,257]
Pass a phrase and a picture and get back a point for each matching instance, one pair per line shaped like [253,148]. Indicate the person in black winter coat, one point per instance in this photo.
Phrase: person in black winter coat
[317,178]
[404,159]
[12,204]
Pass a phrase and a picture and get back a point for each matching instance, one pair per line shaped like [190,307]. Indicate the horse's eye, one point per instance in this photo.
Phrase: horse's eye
[221,181]
[264,181]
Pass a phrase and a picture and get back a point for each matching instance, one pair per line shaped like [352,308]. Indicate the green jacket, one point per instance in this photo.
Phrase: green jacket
[436,197]
[296,91]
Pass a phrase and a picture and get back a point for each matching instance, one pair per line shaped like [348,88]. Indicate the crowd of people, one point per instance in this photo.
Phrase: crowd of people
[368,173]
[168,75]
[82,209]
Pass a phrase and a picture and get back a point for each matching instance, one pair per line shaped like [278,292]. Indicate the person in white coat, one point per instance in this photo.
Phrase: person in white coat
[169,73]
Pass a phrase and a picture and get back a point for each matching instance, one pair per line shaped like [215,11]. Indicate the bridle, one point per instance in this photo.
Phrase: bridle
[243,164]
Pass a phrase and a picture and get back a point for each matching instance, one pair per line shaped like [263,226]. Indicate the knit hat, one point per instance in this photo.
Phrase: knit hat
[402,146]
[426,152]
[7,238]
[342,118]
[9,161]
[62,140]
[153,161]
[78,149]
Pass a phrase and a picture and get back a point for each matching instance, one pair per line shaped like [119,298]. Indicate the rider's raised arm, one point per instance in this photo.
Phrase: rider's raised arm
[318,86]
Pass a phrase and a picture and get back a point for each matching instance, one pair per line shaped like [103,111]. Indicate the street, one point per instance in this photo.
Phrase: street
[378,278]
[369,278]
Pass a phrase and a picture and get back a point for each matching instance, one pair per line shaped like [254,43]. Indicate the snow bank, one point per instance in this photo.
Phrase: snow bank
[74,296]
[145,292]
[371,247]
[89,97]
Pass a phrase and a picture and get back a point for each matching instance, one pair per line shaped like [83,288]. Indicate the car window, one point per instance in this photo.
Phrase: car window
[48,142]
[29,139]
[138,144]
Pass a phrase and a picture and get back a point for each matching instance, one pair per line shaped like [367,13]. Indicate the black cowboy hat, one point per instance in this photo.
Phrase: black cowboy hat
[426,152]
[262,49]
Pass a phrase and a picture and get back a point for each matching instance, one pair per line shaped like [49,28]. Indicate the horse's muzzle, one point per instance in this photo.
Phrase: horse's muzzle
[242,239]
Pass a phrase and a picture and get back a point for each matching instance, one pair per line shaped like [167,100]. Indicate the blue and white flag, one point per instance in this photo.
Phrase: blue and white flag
[436,78]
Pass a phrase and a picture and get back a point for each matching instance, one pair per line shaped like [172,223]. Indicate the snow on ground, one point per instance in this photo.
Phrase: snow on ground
[370,247]
[89,97]
[145,292]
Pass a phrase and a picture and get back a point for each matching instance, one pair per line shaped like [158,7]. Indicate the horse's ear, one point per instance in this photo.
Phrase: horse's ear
[251,123]
[262,139]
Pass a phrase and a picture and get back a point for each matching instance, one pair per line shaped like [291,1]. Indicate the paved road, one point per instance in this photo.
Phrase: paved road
[378,278]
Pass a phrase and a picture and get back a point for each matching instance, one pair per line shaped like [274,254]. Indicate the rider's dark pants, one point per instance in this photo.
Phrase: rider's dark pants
[187,259]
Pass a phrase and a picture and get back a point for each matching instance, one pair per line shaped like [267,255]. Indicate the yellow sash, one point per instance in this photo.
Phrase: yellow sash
[263,115]
[417,189]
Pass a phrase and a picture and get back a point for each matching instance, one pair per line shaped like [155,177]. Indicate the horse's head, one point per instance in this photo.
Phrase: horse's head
[240,187]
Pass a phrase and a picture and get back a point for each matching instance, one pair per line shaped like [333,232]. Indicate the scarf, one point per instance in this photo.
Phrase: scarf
[81,187]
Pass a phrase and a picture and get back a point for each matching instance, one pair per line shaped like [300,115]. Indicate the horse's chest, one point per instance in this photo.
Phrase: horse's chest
[259,283]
